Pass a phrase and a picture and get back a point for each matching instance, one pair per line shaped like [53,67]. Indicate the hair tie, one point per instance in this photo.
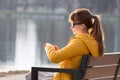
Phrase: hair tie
[92,16]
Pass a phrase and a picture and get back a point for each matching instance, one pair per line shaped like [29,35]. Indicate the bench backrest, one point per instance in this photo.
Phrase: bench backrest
[106,67]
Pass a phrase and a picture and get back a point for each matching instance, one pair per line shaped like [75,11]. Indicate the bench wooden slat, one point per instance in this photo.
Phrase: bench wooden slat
[118,78]
[104,60]
[107,78]
[98,72]
[119,72]
[111,78]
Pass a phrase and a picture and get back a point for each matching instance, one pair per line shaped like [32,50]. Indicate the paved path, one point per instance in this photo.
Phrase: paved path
[14,77]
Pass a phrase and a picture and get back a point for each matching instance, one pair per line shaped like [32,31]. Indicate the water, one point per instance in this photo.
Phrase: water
[25,44]
[25,47]
[5,67]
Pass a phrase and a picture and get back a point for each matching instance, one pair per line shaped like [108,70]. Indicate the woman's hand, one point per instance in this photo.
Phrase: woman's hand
[48,44]
[56,47]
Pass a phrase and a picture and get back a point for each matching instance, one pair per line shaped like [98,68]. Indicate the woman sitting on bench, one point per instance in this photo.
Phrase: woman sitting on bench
[88,38]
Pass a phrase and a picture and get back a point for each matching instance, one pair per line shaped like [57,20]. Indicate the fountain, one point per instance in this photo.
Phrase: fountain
[25,44]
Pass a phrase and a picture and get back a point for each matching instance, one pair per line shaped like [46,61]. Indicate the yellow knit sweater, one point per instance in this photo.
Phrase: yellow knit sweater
[70,55]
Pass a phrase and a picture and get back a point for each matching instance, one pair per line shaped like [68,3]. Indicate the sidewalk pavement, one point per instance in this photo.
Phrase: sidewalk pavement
[14,77]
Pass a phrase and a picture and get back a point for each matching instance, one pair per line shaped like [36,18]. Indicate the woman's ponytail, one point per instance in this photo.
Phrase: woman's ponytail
[97,32]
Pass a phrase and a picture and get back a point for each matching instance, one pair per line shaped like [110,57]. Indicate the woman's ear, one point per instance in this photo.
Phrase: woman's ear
[83,26]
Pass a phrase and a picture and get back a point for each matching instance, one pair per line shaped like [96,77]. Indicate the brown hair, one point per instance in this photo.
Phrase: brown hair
[92,22]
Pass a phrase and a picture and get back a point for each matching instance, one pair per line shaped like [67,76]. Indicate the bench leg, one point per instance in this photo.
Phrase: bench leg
[34,74]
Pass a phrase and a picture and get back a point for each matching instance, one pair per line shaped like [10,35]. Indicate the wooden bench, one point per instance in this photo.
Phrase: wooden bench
[106,67]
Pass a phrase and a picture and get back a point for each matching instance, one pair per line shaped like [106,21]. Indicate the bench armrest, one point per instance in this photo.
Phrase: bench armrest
[74,72]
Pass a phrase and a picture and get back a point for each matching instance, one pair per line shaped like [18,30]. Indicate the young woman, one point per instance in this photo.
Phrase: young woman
[87,39]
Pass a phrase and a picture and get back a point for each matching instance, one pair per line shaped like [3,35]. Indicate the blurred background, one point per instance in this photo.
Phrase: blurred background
[25,25]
